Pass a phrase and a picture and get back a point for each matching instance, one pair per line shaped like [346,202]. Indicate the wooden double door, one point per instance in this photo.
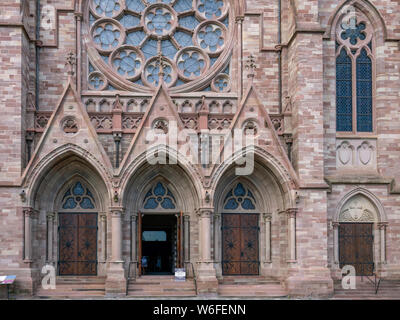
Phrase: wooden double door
[77,244]
[240,249]
[356,242]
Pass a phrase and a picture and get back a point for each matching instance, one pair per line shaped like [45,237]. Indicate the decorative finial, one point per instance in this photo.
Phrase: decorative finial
[251,66]
[161,63]
[71,61]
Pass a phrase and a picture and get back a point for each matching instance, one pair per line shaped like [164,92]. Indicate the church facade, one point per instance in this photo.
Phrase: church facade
[233,139]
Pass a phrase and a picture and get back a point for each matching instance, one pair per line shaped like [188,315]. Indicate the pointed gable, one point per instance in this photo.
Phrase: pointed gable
[70,127]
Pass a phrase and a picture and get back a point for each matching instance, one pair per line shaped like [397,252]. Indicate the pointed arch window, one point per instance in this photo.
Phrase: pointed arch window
[78,197]
[354,76]
[239,198]
[159,197]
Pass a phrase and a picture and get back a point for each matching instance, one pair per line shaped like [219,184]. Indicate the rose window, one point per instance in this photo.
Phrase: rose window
[190,36]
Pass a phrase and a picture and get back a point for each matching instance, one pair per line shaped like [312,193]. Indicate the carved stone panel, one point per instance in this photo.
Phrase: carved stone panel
[356,153]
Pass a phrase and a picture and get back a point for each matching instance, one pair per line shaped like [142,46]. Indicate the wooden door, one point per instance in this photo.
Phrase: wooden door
[77,244]
[240,244]
[356,243]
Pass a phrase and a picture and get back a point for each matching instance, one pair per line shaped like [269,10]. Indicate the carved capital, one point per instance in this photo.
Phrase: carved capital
[186,217]
[292,212]
[239,19]
[382,225]
[267,217]
[50,216]
[205,212]
[335,225]
[28,212]
[117,211]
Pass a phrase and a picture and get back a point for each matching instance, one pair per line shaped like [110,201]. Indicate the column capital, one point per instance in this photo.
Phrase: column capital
[186,217]
[117,211]
[205,212]
[239,19]
[28,212]
[267,217]
[335,225]
[291,212]
[134,217]
[382,225]
[50,216]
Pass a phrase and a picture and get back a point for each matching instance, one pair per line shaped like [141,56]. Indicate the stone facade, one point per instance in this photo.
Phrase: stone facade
[72,114]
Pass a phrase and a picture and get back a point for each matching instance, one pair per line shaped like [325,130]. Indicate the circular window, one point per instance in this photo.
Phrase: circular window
[133,38]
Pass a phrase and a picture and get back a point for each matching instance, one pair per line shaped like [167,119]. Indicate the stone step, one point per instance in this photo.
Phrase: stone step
[159,286]
[388,289]
[252,290]
[74,287]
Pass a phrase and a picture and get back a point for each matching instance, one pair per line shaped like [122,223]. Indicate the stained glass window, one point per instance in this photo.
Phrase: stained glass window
[78,197]
[159,197]
[149,28]
[239,198]
[354,95]
[344,93]
[364,92]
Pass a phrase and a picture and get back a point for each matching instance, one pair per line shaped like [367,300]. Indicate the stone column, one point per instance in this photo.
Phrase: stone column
[28,216]
[206,275]
[217,244]
[291,214]
[336,241]
[268,219]
[187,238]
[382,229]
[50,236]
[116,281]
[103,220]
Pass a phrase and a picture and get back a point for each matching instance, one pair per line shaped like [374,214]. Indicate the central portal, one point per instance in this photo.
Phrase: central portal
[159,244]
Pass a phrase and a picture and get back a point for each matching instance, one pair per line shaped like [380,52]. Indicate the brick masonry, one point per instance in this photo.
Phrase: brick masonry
[305,103]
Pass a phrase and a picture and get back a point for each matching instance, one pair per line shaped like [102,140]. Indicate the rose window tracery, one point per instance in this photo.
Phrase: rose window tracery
[190,35]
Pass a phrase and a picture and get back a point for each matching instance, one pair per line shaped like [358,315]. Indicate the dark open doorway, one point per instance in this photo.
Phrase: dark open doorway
[158,244]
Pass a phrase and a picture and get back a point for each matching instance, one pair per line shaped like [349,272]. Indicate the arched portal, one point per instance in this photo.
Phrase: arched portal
[160,235]
[240,232]
[77,236]
[359,234]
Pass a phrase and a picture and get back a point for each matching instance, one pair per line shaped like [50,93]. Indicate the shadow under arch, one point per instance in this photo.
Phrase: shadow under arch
[177,171]
[56,163]
[274,184]
[380,211]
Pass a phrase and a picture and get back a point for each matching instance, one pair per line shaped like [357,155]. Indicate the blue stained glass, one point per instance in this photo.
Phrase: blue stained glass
[151,204]
[155,1]
[105,58]
[127,64]
[168,49]
[364,93]
[86,204]
[211,38]
[226,71]
[191,64]
[159,190]
[183,5]
[150,48]
[91,68]
[248,205]
[188,22]
[231,205]
[111,88]
[179,82]
[70,204]
[229,195]
[135,38]
[78,189]
[129,21]
[183,39]
[207,88]
[211,8]
[154,74]
[92,19]
[106,7]
[213,60]
[68,193]
[344,93]
[239,190]
[89,193]
[353,31]
[250,195]
[159,21]
[96,82]
[135,5]
[167,204]
[226,22]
